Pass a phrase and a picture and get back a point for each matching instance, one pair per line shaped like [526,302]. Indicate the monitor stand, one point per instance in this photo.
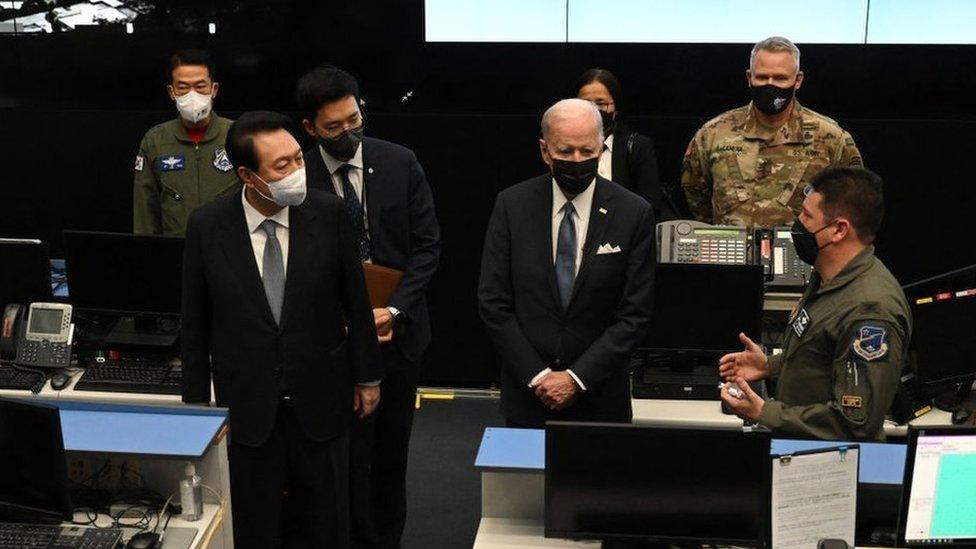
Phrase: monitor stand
[607,544]
[144,331]
[950,401]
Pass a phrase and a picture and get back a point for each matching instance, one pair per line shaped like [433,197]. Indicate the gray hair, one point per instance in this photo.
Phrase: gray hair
[775,44]
[569,108]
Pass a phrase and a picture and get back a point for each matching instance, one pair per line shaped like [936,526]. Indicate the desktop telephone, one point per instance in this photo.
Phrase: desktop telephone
[39,339]
[684,241]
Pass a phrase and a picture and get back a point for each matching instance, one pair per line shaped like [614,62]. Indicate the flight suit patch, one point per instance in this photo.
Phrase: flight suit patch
[221,162]
[801,323]
[172,163]
[871,343]
[851,401]
[140,163]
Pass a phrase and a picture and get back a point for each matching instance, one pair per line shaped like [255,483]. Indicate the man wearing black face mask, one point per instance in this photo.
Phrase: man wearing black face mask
[749,166]
[387,197]
[566,277]
[846,345]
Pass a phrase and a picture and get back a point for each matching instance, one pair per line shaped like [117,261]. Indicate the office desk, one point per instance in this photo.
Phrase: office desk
[512,466]
[708,413]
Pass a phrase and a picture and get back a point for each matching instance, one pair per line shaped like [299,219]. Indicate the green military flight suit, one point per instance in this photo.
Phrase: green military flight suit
[738,172]
[174,176]
[845,348]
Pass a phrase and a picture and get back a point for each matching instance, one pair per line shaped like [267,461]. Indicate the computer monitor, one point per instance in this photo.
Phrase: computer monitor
[938,505]
[631,483]
[701,308]
[25,271]
[944,334]
[34,479]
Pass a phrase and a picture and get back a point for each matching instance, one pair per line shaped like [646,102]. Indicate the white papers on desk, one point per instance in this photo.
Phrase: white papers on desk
[814,497]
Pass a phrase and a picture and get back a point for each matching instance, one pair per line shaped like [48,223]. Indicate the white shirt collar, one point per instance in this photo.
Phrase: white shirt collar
[333,164]
[581,202]
[254,218]
[609,142]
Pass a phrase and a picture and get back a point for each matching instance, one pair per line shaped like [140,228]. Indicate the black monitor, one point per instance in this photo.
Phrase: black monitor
[636,483]
[701,308]
[34,479]
[938,505]
[25,271]
[944,333]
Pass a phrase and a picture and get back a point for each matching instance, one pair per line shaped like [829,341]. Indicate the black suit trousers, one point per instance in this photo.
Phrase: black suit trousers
[313,473]
[378,457]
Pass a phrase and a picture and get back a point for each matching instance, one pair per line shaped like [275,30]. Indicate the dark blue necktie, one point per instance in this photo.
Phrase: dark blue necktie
[354,207]
[566,254]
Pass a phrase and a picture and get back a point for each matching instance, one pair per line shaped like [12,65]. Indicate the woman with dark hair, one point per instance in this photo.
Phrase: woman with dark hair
[628,157]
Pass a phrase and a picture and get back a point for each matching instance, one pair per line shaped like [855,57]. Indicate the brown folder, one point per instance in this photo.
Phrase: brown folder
[381,282]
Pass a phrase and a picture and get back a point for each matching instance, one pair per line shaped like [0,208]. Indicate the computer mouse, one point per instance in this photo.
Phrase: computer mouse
[60,381]
[144,540]
[960,416]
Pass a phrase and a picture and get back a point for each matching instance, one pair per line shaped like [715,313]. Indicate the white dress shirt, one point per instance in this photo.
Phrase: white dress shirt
[583,203]
[606,159]
[254,219]
[355,176]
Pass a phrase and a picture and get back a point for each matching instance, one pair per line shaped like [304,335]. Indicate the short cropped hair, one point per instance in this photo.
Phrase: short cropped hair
[854,193]
[191,57]
[608,80]
[321,85]
[775,44]
[240,136]
[568,105]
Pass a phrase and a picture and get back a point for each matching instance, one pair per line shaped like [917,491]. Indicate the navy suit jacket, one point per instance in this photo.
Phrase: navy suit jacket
[403,230]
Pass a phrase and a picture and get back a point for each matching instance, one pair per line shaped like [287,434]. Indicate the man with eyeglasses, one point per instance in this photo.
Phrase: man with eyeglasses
[387,197]
[182,164]
[748,166]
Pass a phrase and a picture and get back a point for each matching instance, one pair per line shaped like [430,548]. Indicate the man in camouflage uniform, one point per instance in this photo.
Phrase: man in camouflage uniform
[748,166]
[182,163]
[847,341]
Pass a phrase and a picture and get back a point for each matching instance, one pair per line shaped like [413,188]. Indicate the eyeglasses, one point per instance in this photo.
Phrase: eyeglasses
[355,122]
[603,105]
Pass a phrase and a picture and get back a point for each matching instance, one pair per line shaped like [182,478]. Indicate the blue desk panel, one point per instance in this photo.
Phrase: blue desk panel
[503,448]
[176,431]
[526,449]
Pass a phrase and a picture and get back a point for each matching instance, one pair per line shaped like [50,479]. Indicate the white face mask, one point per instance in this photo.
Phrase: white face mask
[194,106]
[287,191]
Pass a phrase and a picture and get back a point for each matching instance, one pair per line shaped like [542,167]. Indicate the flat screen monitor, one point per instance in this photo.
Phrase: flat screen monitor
[25,271]
[939,491]
[124,273]
[34,483]
[657,484]
[701,308]
[944,329]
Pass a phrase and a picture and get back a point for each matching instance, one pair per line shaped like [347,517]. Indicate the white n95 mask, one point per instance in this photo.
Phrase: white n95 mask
[194,106]
[287,191]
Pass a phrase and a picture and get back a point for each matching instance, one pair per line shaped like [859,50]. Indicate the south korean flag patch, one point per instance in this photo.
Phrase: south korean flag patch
[870,343]
[221,162]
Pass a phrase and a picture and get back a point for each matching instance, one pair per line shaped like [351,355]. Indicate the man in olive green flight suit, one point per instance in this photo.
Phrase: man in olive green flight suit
[748,166]
[846,344]
[182,163]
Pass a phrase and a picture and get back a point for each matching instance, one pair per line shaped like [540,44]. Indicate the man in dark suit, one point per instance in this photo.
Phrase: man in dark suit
[275,310]
[566,280]
[386,195]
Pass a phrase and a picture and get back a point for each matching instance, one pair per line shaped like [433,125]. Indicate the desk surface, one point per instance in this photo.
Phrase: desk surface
[211,513]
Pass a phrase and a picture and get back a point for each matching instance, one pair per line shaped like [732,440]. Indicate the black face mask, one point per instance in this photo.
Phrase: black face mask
[607,123]
[805,242]
[344,145]
[574,177]
[770,99]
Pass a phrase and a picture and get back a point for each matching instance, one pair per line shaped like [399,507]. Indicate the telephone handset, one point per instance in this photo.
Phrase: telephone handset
[10,329]
[775,252]
[684,241]
[45,340]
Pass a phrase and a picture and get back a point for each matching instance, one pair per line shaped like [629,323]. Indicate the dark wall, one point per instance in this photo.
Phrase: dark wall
[74,106]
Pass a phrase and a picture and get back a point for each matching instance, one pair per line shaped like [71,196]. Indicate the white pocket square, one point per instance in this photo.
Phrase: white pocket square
[608,249]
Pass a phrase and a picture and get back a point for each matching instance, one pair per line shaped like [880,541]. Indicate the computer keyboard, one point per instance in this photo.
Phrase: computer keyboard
[21,536]
[131,376]
[12,378]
